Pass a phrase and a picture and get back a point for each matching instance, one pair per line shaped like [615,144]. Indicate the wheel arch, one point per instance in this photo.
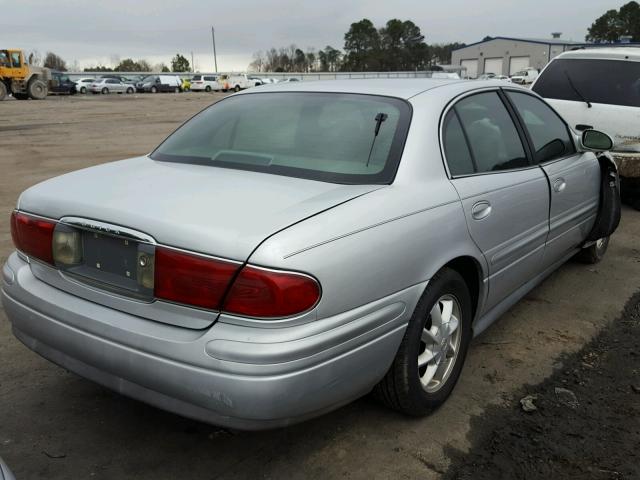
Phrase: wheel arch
[470,270]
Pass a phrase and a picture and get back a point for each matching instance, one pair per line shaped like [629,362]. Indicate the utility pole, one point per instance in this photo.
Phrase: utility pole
[215,58]
[193,67]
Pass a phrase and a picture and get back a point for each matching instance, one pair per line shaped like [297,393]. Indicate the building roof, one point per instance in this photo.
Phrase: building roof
[542,41]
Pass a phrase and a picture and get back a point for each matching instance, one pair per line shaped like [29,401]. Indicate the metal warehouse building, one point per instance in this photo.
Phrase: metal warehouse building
[507,55]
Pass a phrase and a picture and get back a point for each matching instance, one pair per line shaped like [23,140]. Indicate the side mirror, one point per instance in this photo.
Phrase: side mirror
[596,141]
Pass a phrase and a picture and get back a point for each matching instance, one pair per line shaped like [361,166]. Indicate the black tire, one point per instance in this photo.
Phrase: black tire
[129,90]
[3,91]
[594,253]
[105,90]
[236,88]
[37,90]
[401,389]
[83,90]
[207,88]
[154,89]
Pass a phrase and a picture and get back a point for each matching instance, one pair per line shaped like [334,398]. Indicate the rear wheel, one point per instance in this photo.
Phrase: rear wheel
[83,90]
[3,91]
[236,88]
[154,90]
[593,254]
[105,90]
[129,90]
[37,90]
[431,355]
[207,88]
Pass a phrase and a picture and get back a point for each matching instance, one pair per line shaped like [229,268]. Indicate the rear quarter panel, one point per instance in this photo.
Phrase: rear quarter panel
[387,240]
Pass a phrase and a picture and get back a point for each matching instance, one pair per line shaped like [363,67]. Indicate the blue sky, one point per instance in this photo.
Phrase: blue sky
[106,30]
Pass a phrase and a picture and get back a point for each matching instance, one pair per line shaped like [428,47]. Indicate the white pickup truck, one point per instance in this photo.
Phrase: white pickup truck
[236,82]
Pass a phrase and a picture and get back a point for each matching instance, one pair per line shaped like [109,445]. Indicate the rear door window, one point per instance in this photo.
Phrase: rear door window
[613,82]
[455,146]
[491,134]
[549,134]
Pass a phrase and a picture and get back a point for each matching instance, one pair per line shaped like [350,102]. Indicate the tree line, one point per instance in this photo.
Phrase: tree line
[614,24]
[397,46]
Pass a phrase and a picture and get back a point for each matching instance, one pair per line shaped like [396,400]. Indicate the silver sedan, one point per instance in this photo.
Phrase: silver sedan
[292,248]
[111,85]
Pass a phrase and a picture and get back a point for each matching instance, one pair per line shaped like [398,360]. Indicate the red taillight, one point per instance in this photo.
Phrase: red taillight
[192,279]
[258,292]
[33,236]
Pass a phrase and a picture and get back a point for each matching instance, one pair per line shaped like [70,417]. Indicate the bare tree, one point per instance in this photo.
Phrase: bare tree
[35,58]
[55,62]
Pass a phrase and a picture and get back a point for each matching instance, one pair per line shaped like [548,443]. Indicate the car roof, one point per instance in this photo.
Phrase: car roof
[404,88]
[604,53]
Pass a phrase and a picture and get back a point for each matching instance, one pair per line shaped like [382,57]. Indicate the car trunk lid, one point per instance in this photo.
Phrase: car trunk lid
[208,210]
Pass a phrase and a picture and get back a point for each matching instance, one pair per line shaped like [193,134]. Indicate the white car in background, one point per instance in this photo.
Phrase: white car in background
[82,85]
[446,75]
[600,88]
[204,83]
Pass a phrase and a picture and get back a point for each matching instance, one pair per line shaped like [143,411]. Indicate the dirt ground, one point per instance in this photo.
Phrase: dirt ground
[56,425]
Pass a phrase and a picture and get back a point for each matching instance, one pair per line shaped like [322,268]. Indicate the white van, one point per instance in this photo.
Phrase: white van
[205,83]
[525,77]
[236,81]
[599,88]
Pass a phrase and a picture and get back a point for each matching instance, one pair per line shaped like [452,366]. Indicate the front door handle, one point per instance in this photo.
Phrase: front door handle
[559,185]
[481,210]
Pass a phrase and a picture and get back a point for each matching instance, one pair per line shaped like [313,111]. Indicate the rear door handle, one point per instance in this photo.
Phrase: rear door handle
[481,210]
[559,185]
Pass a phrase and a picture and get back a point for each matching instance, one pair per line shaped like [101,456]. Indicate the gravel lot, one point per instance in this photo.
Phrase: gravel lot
[55,425]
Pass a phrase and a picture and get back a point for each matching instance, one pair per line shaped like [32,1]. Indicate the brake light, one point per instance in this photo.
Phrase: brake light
[192,279]
[33,236]
[258,292]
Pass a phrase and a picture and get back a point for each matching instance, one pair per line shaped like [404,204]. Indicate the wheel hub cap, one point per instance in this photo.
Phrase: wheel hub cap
[439,343]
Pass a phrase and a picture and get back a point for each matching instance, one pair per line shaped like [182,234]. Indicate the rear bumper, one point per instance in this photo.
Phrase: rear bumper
[230,375]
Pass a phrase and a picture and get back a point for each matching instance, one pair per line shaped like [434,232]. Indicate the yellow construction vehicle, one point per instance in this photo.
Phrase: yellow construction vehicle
[20,79]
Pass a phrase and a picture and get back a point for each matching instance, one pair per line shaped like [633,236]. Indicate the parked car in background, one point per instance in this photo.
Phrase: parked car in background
[290,79]
[446,75]
[600,88]
[258,81]
[205,83]
[525,77]
[369,229]
[268,80]
[159,83]
[487,76]
[83,84]
[60,83]
[504,78]
[235,82]
[111,85]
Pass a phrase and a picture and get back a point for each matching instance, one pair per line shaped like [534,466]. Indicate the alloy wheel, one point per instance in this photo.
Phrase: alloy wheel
[439,343]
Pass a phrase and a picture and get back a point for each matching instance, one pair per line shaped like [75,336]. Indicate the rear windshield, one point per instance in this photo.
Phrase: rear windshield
[338,138]
[614,82]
